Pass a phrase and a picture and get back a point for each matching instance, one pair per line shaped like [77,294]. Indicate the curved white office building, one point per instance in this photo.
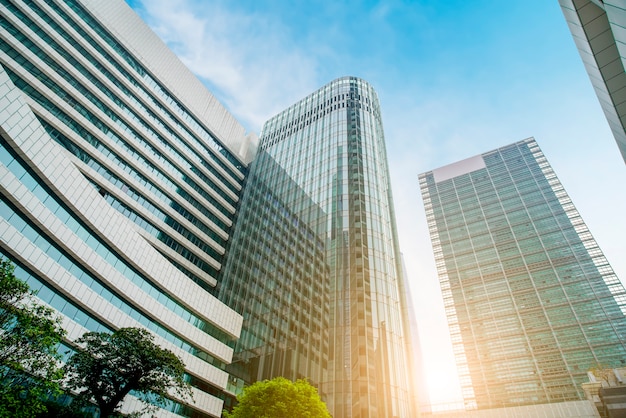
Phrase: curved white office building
[119,175]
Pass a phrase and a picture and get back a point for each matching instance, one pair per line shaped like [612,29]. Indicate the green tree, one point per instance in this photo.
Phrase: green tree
[29,338]
[279,398]
[106,367]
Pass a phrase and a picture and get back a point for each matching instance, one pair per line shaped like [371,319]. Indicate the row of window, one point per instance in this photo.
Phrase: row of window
[60,303]
[28,179]
[135,155]
[214,147]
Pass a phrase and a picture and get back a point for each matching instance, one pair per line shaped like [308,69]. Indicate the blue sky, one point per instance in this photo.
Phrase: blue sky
[454,78]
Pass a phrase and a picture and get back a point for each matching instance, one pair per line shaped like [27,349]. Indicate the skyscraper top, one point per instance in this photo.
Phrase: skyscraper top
[461,167]
[343,92]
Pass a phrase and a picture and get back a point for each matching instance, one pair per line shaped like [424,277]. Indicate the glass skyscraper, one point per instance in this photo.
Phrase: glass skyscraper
[531,301]
[331,144]
[120,175]
[598,30]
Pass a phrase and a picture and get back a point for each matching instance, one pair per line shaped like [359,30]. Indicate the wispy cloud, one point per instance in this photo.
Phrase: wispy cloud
[248,59]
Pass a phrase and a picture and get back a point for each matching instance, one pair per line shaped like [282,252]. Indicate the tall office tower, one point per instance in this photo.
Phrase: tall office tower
[277,277]
[332,146]
[119,175]
[598,30]
[531,301]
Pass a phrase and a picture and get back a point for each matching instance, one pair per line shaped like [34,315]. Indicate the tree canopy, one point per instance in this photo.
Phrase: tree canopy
[30,334]
[107,366]
[279,398]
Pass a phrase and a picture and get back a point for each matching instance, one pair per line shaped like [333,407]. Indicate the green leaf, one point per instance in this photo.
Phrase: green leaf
[30,335]
[279,398]
[107,367]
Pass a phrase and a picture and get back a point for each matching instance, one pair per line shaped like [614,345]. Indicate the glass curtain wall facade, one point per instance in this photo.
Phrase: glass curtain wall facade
[277,277]
[331,144]
[531,301]
[119,187]
[598,30]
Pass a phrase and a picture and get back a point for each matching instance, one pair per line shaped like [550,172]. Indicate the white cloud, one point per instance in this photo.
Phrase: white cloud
[248,59]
